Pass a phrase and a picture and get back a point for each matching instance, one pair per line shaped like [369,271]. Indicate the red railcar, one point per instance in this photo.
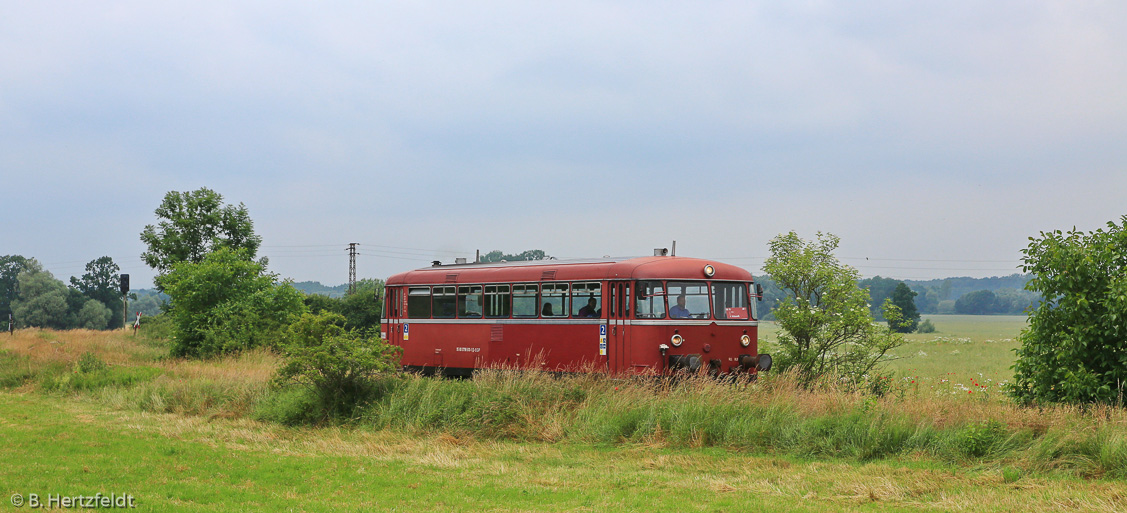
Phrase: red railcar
[649,315]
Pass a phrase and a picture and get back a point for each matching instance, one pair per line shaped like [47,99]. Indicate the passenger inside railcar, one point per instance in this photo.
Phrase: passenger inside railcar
[591,310]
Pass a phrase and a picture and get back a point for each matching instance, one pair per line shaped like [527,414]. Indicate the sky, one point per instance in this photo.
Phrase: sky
[934,138]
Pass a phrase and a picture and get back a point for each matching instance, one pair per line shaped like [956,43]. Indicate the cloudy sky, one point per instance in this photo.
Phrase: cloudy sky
[933,137]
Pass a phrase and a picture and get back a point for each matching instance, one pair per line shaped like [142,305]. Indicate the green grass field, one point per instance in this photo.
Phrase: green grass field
[173,462]
[179,435]
[967,353]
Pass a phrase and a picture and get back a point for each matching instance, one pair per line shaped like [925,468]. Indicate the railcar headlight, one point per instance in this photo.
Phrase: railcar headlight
[676,340]
[745,341]
[709,270]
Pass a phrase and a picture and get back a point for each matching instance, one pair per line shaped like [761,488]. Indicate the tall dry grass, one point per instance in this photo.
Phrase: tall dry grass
[778,414]
[117,347]
[140,375]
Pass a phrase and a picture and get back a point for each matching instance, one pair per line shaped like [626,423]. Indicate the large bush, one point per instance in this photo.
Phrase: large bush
[1073,349]
[338,366]
[227,302]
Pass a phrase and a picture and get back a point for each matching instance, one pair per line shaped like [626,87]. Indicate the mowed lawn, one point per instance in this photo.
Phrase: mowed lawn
[169,462]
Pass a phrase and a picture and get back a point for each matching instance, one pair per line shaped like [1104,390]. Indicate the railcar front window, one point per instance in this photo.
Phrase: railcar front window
[650,303]
[443,302]
[754,302]
[553,300]
[688,300]
[586,299]
[469,301]
[525,300]
[418,303]
[497,300]
[729,300]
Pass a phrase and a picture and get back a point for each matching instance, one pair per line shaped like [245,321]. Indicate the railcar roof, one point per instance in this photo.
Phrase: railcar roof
[658,267]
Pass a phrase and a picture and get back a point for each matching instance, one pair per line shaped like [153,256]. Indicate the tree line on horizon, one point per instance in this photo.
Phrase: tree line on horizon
[45,301]
[32,296]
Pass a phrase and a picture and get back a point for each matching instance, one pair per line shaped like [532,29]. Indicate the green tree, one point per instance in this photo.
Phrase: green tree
[10,268]
[93,315]
[1014,301]
[498,256]
[904,299]
[927,298]
[42,301]
[147,302]
[825,318]
[979,302]
[336,364]
[227,302]
[317,303]
[1073,349]
[879,290]
[945,290]
[192,225]
[102,283]
[362,308]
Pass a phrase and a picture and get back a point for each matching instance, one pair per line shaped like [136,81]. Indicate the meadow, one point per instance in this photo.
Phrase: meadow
[964,351]
[85,412]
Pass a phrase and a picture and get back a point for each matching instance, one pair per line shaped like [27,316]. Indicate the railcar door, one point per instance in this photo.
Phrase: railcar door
[392,316]
[618,319]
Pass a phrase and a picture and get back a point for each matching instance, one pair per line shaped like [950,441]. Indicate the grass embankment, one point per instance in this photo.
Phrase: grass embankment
[954,417]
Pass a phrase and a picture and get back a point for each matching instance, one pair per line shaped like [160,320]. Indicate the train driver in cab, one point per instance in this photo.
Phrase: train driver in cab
[679,311]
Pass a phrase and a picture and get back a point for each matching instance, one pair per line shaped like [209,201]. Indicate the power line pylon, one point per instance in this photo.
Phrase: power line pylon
[352,267]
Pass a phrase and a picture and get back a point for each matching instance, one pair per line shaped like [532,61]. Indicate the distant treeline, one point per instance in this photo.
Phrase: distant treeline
[963,295]
[315,287]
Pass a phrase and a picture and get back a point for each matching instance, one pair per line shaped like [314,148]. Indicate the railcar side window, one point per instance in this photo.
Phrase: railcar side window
[469,301]
[688,300]
[524,300]
[418,303]
[650,303]
[586,299]
[443,302]
[729,300]
[553,300]
[497,300]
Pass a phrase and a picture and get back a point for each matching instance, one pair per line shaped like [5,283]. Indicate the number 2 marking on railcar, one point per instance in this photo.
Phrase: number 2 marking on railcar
[602,340]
